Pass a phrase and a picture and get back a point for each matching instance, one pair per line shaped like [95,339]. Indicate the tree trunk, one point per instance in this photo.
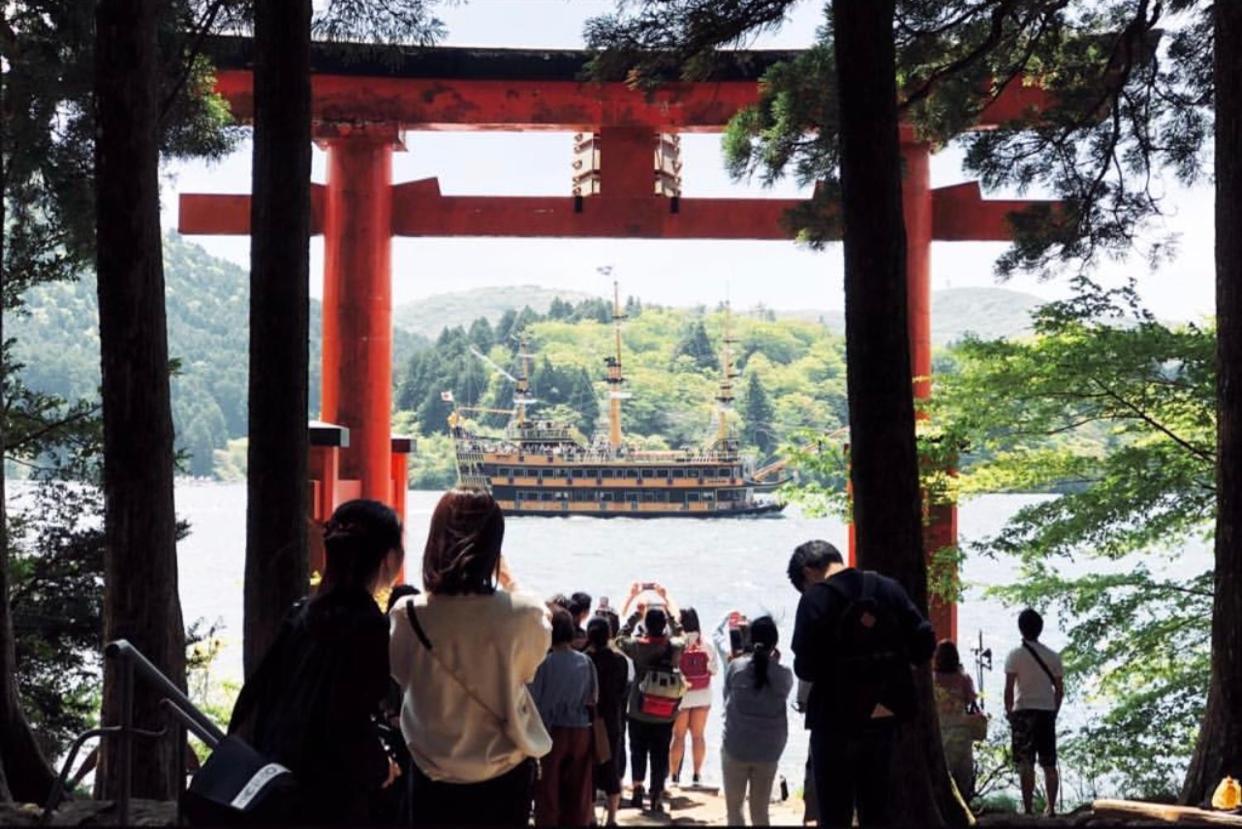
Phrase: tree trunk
[25,775]
[1218,751]
[276,511]
[140,559]
[883,455]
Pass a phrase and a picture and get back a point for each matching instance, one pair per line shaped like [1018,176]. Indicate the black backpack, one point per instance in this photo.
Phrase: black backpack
[867,653]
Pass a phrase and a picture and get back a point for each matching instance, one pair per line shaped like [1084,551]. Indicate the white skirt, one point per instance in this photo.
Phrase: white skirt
[697,698]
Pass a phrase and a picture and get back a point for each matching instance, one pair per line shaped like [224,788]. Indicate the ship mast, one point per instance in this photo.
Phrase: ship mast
[521,390]
[615,378]
[725,396]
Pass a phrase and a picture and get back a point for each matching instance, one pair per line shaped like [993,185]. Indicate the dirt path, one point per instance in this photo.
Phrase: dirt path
[704,806]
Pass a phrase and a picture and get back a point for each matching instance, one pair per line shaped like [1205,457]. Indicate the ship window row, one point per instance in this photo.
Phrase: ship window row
[552,474]
[644,496]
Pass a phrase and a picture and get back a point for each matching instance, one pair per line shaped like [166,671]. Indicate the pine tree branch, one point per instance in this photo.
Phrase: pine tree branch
[50,428]
[995,33]
[200,34]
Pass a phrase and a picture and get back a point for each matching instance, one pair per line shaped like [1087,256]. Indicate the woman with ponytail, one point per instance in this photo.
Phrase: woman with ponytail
[311,703]
[756,691]
[463,653]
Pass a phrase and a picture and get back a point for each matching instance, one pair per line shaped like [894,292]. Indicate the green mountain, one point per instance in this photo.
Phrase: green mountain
[430,316]
[208,302]
[670,352]
[988,313]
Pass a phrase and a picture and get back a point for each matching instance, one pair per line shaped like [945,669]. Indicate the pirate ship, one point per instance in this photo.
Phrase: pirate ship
[540,467]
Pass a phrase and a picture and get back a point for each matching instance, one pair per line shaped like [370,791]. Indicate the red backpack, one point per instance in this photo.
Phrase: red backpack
[695,668]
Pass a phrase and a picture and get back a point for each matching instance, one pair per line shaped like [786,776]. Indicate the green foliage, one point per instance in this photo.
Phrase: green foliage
[1116,410]
[696,345]
[1121,106]
[434,465]
[758,414]
[499,305]
[56,595]
[49,130]
[55,554]
[208,306]
[230,462]
[801,365]
[1131,95]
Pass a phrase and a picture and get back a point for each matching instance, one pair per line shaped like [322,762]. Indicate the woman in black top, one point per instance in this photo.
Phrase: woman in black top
[311,703]
[612,671]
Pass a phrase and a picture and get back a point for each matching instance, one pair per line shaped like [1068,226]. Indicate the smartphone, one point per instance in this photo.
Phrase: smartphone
[649,585]
[739,637]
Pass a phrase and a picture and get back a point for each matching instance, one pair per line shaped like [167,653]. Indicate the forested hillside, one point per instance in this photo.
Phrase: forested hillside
[791,361]
[792,376]
[431,315]
[208,335]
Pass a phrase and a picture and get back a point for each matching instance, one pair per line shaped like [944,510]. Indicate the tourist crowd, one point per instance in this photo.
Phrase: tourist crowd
[473,703]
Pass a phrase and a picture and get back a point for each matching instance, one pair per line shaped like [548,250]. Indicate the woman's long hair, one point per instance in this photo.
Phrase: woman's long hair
[356,541]
[690,620]
[462,555]
[599,633]
[764,636]
[946,660]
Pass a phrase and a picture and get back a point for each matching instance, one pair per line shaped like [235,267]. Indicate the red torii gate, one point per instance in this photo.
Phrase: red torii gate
[360,109]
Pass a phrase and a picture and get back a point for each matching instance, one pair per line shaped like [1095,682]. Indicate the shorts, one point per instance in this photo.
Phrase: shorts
[1034,737]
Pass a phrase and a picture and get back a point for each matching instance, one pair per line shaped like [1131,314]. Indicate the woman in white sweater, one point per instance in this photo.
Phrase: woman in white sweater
[463,653]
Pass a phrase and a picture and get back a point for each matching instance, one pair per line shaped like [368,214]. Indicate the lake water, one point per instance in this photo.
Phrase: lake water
[713,566]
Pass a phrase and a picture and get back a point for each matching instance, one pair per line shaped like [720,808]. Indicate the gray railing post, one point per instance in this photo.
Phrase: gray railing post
[125,752]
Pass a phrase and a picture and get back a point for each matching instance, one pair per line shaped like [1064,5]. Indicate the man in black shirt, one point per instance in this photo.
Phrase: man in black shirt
[856,636]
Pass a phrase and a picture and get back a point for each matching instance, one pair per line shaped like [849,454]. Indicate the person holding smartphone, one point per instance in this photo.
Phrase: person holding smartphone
[651,709]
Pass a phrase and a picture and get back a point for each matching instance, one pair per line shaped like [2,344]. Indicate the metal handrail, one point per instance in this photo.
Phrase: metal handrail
[202,726]
[174,702]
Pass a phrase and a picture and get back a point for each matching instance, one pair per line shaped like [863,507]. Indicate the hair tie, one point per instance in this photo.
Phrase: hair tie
[334,530]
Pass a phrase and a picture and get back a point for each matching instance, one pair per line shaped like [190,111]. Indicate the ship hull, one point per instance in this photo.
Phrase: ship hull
[550,475]
[766,510]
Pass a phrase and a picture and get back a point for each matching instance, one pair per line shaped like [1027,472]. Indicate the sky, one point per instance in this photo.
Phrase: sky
[777,274]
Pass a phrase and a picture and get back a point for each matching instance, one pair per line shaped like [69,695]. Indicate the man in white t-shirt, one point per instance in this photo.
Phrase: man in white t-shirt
[1034,688]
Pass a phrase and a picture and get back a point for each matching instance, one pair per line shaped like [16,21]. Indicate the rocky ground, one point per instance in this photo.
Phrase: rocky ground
[91,813]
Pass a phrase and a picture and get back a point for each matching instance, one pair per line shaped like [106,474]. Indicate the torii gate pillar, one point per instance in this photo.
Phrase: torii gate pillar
[918,212]
[357,303]
[940,520]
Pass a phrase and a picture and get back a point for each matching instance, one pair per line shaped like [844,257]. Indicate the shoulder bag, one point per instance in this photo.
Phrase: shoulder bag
[600,744]
[237,786]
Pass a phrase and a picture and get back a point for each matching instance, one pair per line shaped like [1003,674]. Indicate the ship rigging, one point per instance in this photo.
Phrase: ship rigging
[540,467]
